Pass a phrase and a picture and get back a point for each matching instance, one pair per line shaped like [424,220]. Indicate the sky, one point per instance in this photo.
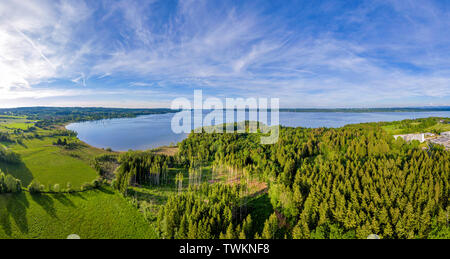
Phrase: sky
[144,54]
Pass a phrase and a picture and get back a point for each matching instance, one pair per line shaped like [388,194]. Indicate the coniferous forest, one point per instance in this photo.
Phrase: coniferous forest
[347,182]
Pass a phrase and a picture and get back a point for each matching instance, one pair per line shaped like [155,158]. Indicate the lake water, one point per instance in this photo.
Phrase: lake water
[151,131]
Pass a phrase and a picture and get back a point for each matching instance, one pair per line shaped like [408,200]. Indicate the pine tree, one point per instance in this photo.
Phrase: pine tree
[270,230]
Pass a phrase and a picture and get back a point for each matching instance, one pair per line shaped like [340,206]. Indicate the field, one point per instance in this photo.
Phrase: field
[94,214]
[9,123]
[170,151]
[43,161]
[440,127]
[100,213]
[50,164]
[397,129]
[419,126]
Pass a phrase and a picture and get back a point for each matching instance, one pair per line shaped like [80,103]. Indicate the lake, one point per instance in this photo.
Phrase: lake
[151,131]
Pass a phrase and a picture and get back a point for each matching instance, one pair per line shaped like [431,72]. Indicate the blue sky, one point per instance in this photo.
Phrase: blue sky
[147,53]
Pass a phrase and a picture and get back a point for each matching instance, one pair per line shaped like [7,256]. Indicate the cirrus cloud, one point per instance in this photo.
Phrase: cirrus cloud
[326,53]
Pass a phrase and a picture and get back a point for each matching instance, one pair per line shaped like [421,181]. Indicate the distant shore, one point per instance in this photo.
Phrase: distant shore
[364,110]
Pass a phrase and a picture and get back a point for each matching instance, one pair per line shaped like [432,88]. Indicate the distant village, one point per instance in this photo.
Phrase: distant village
[442,139]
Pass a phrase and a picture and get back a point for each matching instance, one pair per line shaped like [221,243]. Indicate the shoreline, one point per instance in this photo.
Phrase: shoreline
[66,124]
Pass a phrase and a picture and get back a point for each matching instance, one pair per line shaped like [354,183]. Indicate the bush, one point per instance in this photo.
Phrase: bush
[34,187]
[69,187]
[114,184]
[96,183]
[56,188]
[9,156]
[13,184]
[5,137]
[2,182]
[9,184]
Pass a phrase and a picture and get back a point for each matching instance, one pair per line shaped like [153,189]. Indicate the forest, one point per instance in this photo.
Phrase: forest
[347,182]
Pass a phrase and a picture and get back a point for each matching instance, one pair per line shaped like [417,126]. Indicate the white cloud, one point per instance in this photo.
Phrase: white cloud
[36,39]
[225,49]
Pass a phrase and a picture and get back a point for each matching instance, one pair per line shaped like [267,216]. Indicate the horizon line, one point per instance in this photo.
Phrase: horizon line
[284,108]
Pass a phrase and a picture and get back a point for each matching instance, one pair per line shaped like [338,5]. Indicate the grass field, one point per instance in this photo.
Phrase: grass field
[93,214]
[50,164]
[9,123]
[170,151]
[99,213]
[395,129]
[440,127]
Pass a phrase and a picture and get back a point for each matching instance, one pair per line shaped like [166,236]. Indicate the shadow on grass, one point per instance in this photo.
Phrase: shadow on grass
[62,198]
[23,144]
[5,221]
[13,206]
[104,190]
[46,202]
[78,194]
[19,171]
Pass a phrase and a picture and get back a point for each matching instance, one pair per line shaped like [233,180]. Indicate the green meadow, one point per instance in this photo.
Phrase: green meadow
[95,214]
[50,164]
[10,123]
[100,213]
[417,126]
